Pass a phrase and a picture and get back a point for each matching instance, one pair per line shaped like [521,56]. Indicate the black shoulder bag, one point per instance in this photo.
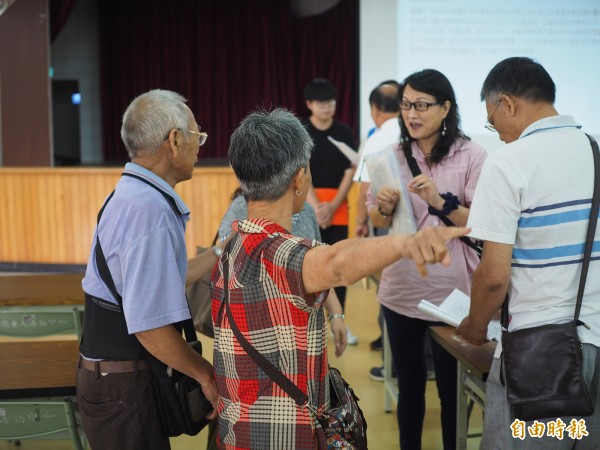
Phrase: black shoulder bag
[477,246]
[182,406]
[543,370]
[344,425]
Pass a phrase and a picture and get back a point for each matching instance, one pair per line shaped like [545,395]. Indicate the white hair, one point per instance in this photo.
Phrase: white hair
[150,117]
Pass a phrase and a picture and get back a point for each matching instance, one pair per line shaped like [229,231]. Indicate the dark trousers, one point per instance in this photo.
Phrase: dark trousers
[118,411]
[331,235]
[407,342]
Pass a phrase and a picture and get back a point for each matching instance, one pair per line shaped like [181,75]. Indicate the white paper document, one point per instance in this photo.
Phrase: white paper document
[454,309]
[346,150]
[384,170]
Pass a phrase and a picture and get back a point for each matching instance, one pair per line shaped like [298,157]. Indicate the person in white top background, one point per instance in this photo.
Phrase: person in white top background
[531,208]
[449,162]
[385,111]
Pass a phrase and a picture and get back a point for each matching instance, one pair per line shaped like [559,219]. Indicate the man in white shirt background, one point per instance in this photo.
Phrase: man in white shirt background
[531,208]
[385,110]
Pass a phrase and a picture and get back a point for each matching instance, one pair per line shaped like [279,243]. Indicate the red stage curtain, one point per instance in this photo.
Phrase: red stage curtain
[226,58]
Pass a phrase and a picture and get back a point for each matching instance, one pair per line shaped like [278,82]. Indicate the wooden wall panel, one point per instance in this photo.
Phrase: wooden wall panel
[25,108]
[207,195]
[49,215]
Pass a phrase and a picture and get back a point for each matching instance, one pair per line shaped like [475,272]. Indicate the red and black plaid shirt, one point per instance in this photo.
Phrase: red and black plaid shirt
[285,324]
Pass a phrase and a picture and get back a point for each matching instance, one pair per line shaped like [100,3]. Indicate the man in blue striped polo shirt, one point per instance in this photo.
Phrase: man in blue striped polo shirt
[531,208]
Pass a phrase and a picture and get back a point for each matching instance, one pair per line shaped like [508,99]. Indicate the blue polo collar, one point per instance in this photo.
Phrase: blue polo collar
[550,123]
[159,183]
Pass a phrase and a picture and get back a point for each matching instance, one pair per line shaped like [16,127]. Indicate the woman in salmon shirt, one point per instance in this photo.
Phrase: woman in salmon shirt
[449,163]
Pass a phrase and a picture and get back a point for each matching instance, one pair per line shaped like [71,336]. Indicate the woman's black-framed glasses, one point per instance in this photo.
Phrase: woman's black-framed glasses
[419,106]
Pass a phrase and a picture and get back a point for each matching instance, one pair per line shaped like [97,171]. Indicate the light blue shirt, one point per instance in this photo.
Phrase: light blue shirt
[142,236]
[304,223]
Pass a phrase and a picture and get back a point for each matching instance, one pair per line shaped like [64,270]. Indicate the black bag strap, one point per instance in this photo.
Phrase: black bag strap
[591,232]
[416,170]
[589,243]
[275,374]
[104,271]
[101,259]
[412,163]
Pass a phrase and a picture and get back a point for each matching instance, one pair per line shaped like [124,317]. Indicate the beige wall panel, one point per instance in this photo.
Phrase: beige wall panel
[49,215]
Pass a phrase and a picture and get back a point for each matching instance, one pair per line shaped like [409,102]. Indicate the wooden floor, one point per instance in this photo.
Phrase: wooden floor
[361,317]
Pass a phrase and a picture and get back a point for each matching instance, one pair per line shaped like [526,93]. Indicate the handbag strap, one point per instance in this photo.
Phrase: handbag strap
[591,226]
[416,170]
[104,271]
[589,242]
[275,374]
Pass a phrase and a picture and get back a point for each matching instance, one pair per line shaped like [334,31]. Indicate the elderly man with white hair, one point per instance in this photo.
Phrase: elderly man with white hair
[141,236]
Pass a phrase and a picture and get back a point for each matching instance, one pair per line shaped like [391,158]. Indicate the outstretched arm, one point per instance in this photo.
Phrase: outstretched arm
[349,260]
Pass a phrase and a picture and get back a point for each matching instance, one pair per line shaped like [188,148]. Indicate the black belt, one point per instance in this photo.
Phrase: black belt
[113,366]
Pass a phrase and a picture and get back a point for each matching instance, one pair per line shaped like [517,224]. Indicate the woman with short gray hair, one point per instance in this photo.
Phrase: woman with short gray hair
[277,284]
[266,151]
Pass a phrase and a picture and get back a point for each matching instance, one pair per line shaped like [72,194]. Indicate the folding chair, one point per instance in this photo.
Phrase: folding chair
[40,417]
[36,321]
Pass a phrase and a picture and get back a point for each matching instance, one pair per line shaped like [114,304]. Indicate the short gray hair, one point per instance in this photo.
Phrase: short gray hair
[149,117]
[266,151]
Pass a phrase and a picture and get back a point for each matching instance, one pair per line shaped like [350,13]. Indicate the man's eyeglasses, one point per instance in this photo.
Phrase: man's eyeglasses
[489,125]
[419,106]
[202,135]
[323,104]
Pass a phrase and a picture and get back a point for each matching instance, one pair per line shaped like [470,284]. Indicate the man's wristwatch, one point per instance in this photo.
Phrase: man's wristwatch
[218,251]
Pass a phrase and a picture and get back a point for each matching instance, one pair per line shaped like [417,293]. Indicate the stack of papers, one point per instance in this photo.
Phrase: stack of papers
[454,309]
[346,150]
[384,170]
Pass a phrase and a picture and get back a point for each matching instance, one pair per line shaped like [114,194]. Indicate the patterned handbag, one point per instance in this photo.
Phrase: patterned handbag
[344,425]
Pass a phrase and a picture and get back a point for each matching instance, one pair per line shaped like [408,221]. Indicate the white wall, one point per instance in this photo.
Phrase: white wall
[464,39]
[380,59]
[378,53]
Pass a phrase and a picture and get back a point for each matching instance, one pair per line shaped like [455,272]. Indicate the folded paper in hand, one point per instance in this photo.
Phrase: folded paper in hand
[454,309]
[384,170]
[346,150]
